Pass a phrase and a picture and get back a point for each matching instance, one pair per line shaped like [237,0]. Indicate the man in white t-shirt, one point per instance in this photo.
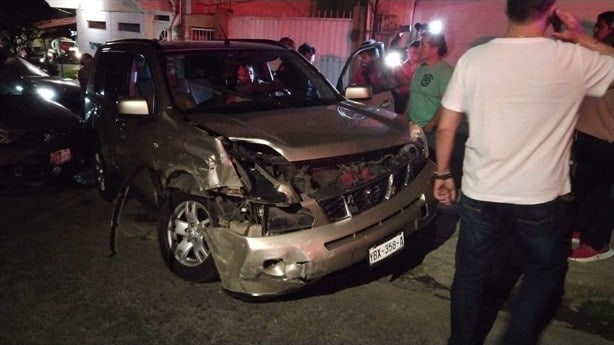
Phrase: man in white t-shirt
[521,95]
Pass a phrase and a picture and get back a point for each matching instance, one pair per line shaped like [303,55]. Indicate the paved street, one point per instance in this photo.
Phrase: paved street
[59,286]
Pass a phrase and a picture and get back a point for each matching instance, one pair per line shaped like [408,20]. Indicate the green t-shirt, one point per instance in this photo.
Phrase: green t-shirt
[426,90]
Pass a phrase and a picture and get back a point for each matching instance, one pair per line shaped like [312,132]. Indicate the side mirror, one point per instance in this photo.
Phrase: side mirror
[133,106]
[358,93]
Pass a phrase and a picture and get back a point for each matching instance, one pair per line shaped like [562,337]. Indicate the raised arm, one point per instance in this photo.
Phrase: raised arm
[575,34]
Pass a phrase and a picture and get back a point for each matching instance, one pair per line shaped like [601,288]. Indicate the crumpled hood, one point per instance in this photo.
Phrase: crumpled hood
[314,132]
[31,111]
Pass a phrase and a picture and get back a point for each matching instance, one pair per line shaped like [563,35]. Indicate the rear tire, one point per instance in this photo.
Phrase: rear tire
[181,222]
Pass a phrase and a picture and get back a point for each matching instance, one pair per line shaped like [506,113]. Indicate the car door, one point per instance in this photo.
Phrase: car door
[110,82]
[366,67]
[120,75]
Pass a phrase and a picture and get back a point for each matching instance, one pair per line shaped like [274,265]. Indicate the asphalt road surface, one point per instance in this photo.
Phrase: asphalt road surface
[59,286]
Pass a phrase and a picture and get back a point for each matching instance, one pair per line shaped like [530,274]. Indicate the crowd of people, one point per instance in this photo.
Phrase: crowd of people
[530,139]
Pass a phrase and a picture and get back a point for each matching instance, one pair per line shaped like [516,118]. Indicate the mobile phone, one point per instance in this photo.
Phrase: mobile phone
[557,23]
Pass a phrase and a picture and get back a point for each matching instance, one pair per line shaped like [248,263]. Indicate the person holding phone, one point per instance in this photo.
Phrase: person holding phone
[593,182]
[516,163]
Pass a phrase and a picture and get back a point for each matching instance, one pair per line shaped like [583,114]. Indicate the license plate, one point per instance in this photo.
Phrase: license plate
[60,156]
[384,250]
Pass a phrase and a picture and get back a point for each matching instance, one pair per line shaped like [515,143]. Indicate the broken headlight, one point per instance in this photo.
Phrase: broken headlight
[418,140]
[280,220]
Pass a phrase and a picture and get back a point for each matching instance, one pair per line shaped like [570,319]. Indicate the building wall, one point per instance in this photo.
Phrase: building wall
[329,36]
[263,8]
[466,22]
[470,22]
[91,36]
[89,39]
[63,3]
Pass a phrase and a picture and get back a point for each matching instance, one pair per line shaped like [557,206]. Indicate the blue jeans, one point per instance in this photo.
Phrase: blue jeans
[540,245]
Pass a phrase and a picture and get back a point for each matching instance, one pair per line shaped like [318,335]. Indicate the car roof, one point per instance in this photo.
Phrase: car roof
[197,45]
[22,66]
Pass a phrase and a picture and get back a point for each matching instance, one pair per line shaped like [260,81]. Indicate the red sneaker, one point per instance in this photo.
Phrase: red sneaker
[586,253]
[575,237]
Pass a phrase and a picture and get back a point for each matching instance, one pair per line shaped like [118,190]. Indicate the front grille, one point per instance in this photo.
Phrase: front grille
[363,196]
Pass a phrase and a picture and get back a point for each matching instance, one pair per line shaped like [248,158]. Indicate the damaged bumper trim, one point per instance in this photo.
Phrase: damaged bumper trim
[275,265]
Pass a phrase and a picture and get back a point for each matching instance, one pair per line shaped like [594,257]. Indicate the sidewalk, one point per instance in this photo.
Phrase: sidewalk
[588,304]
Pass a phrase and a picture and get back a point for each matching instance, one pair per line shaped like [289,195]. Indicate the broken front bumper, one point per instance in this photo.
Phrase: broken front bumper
[274,265]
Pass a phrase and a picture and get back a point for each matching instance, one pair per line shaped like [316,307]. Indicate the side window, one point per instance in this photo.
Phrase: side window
[366,69]
[141,84]
[111,75]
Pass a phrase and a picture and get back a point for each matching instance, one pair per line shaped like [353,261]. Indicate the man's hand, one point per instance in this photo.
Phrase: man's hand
[574,32]
[444,191]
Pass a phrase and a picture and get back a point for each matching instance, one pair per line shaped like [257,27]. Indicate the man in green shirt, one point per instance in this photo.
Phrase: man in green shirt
[426,90]
[429,82]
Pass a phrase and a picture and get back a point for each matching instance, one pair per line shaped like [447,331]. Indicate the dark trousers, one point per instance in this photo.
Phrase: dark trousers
[593,186]
[536,243]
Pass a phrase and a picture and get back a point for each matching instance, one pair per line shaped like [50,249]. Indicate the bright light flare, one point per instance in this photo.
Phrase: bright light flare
[436,27]
[46,93]
[393,59]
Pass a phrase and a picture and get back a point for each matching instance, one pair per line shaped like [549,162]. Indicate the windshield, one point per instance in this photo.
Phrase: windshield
[245,80]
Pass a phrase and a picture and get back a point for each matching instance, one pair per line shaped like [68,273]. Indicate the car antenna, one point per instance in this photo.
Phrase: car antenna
[226,40]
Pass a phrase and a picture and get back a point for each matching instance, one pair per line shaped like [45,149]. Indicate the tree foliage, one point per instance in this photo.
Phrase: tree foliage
[17,18]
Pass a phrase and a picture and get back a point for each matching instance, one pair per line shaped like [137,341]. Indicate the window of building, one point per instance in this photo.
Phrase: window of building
[92,24]
[131,27]
[202,34]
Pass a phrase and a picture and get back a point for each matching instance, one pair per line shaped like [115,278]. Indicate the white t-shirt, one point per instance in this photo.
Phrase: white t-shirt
[521,97]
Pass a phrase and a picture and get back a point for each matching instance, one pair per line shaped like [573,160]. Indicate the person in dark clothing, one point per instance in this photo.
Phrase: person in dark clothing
[593,181]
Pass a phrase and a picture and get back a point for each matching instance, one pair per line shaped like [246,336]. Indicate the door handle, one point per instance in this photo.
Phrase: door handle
[120,124]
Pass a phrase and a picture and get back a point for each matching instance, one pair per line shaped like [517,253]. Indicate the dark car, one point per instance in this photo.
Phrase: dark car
[39,139]
[269,186]
[64,91]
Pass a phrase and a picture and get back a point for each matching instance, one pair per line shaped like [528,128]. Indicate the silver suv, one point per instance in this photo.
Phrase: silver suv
[269,181]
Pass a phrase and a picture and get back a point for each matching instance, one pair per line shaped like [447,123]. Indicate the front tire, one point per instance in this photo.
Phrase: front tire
[106,185]
[183,219]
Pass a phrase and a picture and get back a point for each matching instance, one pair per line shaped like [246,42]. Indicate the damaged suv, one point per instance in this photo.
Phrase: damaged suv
[268,186]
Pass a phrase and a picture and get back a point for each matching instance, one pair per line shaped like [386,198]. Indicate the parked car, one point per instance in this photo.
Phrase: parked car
[64,91]
[270,186]
[39,139]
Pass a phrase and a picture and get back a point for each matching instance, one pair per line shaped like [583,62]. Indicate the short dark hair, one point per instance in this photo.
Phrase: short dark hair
[414,44]
[306,48]
[522,10]
[288,42]
[607,16]
[85,56]
[437,40]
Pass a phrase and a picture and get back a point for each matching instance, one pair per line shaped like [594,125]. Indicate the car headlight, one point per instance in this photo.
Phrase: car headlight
[46,93]
[417,136]
[280,220]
